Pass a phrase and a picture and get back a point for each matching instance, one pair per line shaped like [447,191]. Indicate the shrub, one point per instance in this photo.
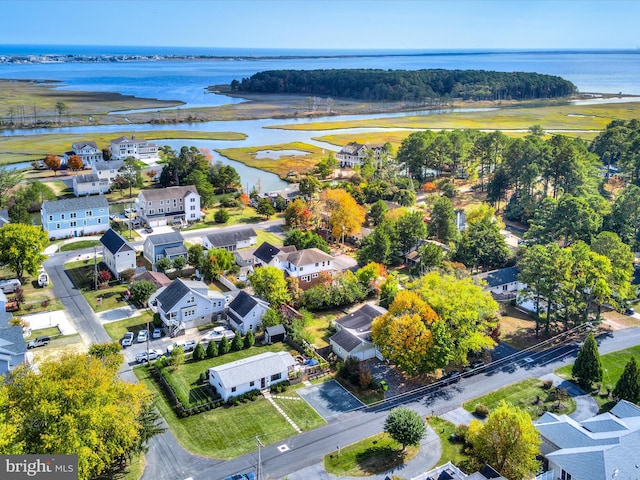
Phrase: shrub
[461,432]
[249,339]
[237,343]
[221,216]
[481,410]
[212,350]
[198,352]
[547,384]
[203,377]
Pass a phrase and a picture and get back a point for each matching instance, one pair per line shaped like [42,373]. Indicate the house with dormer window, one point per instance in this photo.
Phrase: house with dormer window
[307,265]
[354,154]
[75,217]
[167,206]
[164,245]
[88,152]
[246,311]
[117,254]
[138,148]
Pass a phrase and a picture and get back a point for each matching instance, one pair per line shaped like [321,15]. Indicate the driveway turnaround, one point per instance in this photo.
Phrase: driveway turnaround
[329,399]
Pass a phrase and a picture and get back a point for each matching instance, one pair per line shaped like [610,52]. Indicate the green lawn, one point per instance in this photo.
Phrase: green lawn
[116,330]
[81,273]
[613,365]
[318,326]
[298,410]
[79,245]
[451,451]
[264,236]
[523,395]
[222,433]
[44,332]
[370,456]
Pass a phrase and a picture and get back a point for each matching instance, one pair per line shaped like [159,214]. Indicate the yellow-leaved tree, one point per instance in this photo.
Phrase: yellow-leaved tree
[345,215]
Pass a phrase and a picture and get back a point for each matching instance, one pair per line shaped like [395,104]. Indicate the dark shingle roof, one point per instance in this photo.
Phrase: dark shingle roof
[159,279]
[266,252]
[168,193]
[308,256]
[499,277]
[74,204]
[170,296]
[243,303]
[346,340]
[166,238]
[226,239]
[80,145]
[361,319]
[173,251]
[114,242]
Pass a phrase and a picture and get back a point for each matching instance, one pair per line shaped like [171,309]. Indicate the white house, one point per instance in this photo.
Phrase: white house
[89,184]
[603,447]
[186,304]
[306,266]
[107,170]
[87,151]
[267,255]
[353,154]
[252,373]
[353,336]
[13,349]
[117,254]
[138,148]
[502,283]
[166,206]
[231,240]
[246,311]
[75,217]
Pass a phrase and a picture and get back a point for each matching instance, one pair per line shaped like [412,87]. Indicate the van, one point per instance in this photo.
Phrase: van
[10,286]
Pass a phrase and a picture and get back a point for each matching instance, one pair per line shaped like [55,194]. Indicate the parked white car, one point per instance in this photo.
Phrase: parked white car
[187,346]
[154,354]
[143,335]
[127,340]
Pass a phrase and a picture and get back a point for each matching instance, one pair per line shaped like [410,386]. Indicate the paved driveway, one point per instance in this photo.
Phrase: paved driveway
[329,399]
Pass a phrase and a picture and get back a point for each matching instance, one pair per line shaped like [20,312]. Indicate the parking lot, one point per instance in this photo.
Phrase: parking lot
[329,399]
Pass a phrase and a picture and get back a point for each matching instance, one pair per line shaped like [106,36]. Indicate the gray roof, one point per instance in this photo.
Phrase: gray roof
[625,409]
[80,145]
[243,303]
[75,204]
[251,368]
[361,319]
[308,256]
[133,139]
[87,178]
[226,239]
[346,340]
[113,242]
[275,330]
[109,165]
[174,251]
[171,295]
[11,340]
[495,278]
[168,192]
[266,252]
[165,238]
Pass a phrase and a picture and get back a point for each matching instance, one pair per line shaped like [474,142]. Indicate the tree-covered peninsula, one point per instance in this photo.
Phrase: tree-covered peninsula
[408,85]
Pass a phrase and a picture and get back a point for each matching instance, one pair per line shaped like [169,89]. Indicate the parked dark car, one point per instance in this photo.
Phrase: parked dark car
[474,367]
[630,311]
[39,342]
[451,377]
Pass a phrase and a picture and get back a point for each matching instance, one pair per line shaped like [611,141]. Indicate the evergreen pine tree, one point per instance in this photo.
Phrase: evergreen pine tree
[237,343]
[588,368]
[212,349]
[628,386]
[249,339]
[198,353]
[224,346]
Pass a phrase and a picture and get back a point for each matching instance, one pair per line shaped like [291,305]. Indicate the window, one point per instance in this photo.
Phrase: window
[328,262]
[50,217]
[504,287]
[192,200]
[193,215]
[323,264]
[148,204]
[73,215]
[161,210]
[233,389]
[62,216]
[276,376]
[161,202]
[175,202]
[301,268]
[73,224]
[315,275]
[193,207]
[152,212]
[565,475]
[57,225]
[305,278]
[251,384]
[317,264]
[191,299]
[99,220]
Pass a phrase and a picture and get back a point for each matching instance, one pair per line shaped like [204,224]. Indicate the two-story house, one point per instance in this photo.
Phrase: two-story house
[187,304]
[13,349]
[89,184]
[502,283]
[353,154]
[231,240]
[353,336]
[87,151]
[107,170]
[75,217]
[166,206]
[138,148]
[117,254]
[161,245]
[246,311]
[306,266]
[267,255]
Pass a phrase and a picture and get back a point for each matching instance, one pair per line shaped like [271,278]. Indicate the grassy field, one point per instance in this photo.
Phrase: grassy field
[225,432]
[451,451]
[370,456]
[27,148]
[44,332]
[117,329]
[299,164]
[81,273]
[318,326]
[613,365]
[79,245]
[298,410]
[523,395]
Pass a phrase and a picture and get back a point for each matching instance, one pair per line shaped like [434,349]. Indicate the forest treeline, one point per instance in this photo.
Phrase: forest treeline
[408,85]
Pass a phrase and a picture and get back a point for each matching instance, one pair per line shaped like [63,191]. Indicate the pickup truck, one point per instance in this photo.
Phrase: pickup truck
[154,354]
[187,346]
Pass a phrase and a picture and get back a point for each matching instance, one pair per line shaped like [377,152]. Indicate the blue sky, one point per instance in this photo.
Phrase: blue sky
[326,24]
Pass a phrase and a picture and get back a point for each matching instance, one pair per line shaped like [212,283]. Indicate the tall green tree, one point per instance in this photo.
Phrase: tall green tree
[405,426]
[141,290]
[482,246]
[269,283]
[587,368]
[410,230]
[628,385]
[430,257]
[442,224]
[217,261]
[508,441]
[21,248]
[621,258]
[237,343]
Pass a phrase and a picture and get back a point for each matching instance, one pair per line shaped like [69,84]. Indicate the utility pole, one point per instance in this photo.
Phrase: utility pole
[95,268]
[259,469]
[342,238]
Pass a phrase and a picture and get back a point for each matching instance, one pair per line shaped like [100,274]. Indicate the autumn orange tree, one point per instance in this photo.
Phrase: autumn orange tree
[53,162]
[297,214]
[75,162]
[244,200]
[345,215]
[412,335]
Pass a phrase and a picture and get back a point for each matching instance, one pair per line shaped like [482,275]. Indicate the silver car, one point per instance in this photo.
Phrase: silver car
[127,341]
[154,354]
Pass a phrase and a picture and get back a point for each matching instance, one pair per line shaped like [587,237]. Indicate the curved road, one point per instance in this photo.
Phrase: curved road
[167,460]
